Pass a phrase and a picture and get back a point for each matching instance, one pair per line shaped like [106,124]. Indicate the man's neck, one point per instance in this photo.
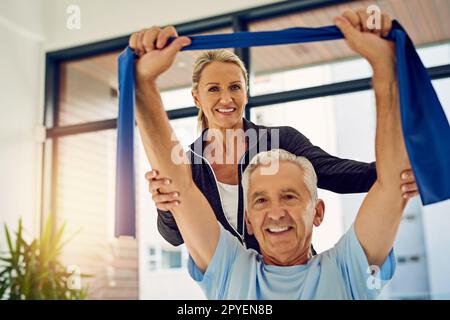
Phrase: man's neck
[300,259]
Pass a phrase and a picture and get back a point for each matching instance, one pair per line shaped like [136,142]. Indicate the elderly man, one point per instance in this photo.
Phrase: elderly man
[281,209]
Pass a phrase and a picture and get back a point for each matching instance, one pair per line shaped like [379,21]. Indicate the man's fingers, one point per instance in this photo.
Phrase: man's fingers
[132,41]
[177,44]
[350,33]
[362,14]
[353,18]
[386,24]
[149,38]
[164,35]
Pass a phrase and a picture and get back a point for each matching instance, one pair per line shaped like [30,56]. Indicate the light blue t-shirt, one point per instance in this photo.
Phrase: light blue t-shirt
[339,273]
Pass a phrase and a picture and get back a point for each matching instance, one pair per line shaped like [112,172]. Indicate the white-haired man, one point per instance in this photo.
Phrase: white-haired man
[281,209]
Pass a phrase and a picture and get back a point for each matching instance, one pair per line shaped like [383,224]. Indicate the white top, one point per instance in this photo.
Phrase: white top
[229,196]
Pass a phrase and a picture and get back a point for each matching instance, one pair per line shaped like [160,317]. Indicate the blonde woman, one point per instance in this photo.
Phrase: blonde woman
[228,141]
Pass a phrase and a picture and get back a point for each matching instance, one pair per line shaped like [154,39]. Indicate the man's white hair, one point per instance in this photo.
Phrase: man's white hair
[266,157]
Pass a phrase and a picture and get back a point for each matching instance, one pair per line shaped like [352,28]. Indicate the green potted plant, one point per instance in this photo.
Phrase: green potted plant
[32,270]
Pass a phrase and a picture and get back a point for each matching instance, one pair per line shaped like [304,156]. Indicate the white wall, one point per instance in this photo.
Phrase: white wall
[21,92]
[104,19]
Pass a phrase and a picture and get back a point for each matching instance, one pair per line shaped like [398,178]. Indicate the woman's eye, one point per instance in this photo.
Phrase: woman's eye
[212,89]
[236,87]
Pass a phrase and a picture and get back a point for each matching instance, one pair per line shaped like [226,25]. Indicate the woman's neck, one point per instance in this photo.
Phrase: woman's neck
[229,143]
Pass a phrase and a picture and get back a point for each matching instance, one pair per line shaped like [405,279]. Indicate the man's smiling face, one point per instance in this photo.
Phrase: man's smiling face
[281,214]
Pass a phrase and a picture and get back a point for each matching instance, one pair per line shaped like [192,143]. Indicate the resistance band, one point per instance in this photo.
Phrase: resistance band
[425,127]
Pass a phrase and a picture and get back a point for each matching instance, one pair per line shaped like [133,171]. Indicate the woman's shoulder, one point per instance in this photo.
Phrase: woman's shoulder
[289,138]
[282,129]
[286,133]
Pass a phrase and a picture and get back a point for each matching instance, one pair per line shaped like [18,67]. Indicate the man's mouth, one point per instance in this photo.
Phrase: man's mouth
[279,230]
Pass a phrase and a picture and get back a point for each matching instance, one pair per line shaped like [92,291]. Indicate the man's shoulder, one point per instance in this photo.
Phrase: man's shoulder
[347,242]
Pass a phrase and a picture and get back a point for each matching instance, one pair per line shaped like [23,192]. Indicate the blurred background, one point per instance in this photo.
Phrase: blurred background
[58,104]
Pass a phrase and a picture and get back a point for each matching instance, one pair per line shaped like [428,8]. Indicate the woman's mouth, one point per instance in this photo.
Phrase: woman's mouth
[226,111]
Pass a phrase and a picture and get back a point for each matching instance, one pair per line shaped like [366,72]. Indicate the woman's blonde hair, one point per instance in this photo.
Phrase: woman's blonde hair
[201,62]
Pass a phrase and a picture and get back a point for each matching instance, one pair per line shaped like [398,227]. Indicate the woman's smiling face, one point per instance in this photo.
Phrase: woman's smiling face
[221,94]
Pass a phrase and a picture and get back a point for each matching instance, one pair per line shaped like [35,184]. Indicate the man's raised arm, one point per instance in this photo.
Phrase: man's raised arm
[380,214]
[194,216]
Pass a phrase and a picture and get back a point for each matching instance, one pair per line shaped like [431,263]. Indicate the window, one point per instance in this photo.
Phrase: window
[305,65]
[88,90]
[163,259]
[85,188]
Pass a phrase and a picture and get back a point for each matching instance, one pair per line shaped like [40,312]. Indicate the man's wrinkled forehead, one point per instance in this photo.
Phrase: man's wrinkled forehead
[289,177]
[265,192]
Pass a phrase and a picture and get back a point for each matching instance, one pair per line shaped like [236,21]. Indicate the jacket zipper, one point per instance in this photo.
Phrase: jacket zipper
[243,204]
[241,236]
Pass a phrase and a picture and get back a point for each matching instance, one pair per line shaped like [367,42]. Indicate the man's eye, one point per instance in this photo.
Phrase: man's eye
[260,200]
[289,197]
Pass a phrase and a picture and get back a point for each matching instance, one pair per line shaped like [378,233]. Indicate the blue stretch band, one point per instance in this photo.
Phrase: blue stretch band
[425,127]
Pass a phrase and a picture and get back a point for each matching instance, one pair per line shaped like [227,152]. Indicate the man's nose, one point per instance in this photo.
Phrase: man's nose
[277,212]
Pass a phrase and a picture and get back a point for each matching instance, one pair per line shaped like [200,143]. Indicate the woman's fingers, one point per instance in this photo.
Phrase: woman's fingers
[156,184]
[151,174]
[165,197]
[409,186]
[167,206]
[408,195]
[163,201]
[408,176]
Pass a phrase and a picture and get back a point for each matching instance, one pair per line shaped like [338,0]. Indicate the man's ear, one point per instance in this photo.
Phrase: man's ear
[194,94]
[248,224]
[319,212]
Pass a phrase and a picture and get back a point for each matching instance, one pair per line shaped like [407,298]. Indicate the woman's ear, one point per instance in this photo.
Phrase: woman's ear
[196,99]
[319,212]
[248,224]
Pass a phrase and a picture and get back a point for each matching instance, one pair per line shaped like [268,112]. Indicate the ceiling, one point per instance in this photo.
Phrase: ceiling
[425,20]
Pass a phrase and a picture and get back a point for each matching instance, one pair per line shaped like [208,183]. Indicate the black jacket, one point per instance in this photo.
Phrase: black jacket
[334,174]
